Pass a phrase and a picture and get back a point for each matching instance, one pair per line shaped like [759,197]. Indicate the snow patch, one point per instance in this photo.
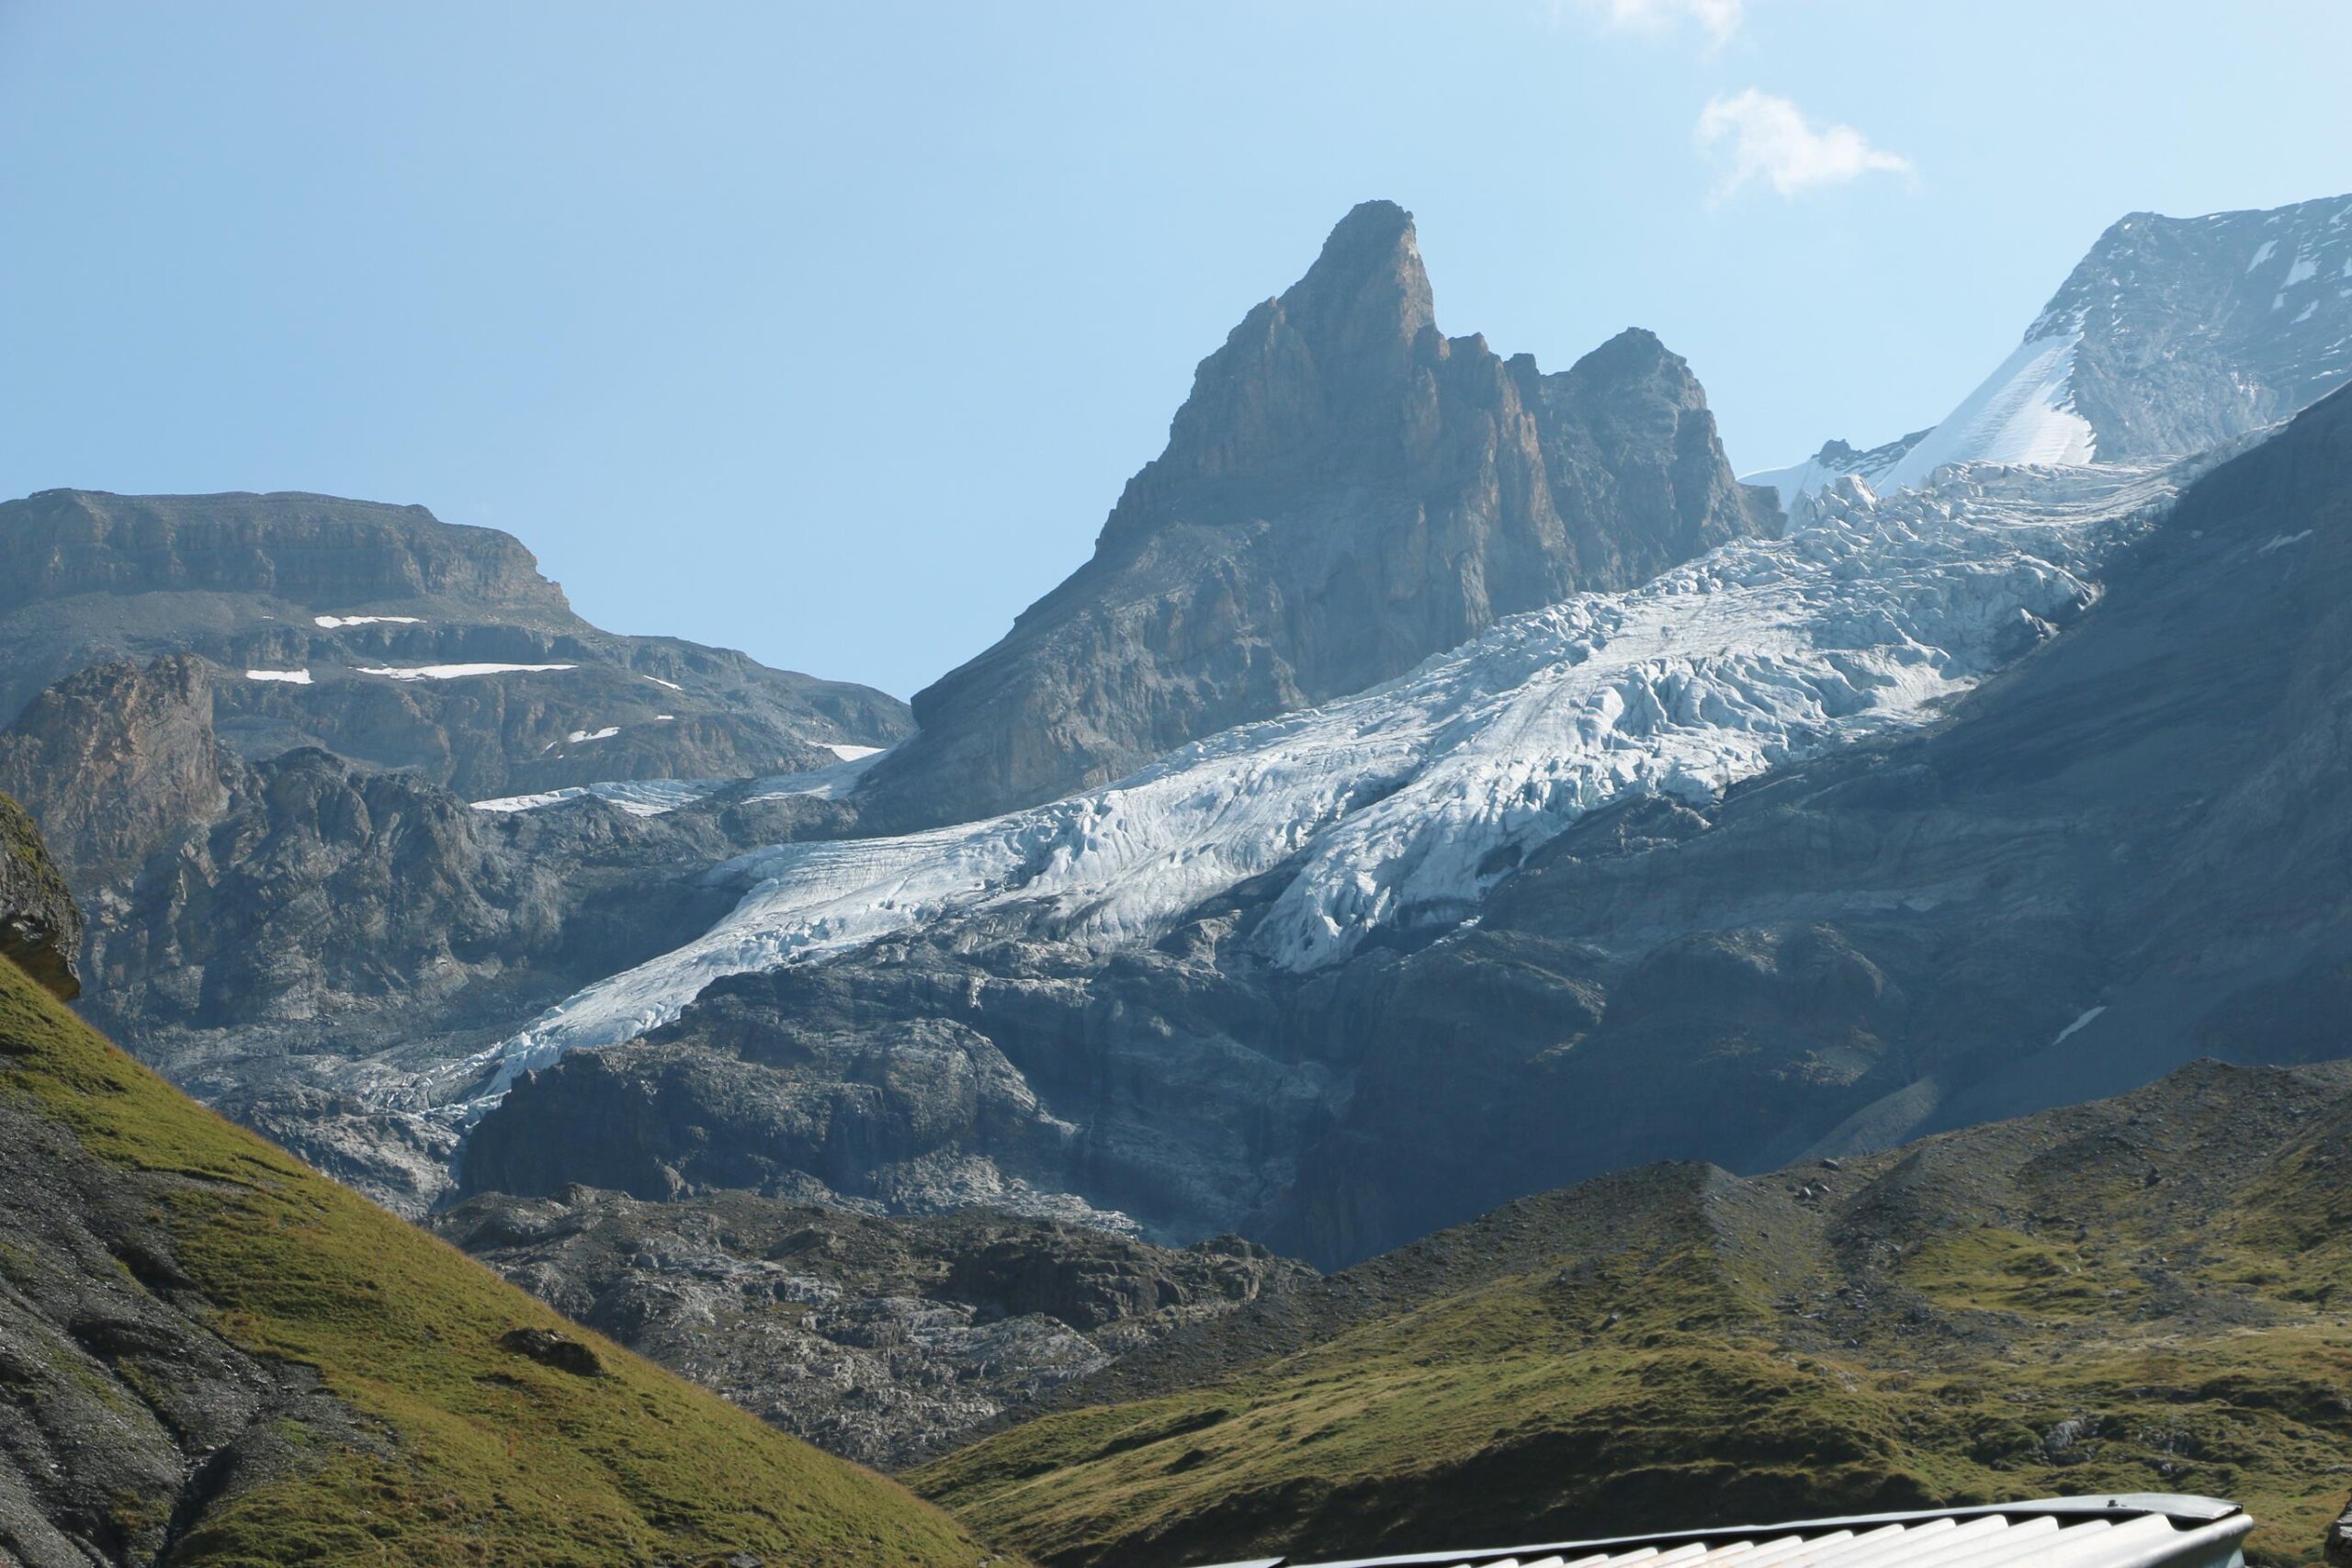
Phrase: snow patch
[290,677]
[331,622]
[2089,1016]
[852,753]
[457,671]
[659,682]
[2303,271]
[638,797]
[2269,248]
[2282,541]
[578,735]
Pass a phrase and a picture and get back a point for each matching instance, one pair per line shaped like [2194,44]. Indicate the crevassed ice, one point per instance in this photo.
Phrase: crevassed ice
[1397,803]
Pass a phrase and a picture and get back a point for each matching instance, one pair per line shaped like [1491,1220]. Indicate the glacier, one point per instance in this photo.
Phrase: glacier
[1399,806]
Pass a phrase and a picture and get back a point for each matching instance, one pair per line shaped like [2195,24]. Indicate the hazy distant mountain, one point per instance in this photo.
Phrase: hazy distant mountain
[397,640]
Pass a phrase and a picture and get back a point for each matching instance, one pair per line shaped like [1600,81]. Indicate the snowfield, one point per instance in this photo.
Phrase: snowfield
[455,671]
[2023,412]
[1401,805]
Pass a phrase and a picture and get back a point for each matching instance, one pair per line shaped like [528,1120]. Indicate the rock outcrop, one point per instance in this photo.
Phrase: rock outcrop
[117,761]
[41,927]
[883,1341]
[918,1117]
[1346,491]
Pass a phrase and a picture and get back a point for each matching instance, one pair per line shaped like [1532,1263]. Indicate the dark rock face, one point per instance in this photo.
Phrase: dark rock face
[2199,329]
[2339,1540]
[336,589]
[117,760]
[1345,493]
[2120,854]
[882,1340]
[916,1117]
[40,929]
[560,1351]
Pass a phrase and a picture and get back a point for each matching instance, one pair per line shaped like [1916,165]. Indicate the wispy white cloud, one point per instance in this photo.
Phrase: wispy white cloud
[1718,19]
[1756,137]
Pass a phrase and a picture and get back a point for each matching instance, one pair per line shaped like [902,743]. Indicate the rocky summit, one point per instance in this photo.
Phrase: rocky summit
[1346,491]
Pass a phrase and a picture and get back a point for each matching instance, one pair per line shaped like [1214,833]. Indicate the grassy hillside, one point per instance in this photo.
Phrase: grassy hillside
[456,1449]
[2147,1293]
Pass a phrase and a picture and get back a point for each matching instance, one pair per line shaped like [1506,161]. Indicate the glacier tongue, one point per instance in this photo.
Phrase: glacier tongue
[1397,802]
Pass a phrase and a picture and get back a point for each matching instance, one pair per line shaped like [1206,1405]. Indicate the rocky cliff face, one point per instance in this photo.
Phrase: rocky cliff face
[40,929]
[881,1340]
[118,760]
[2195,330]
[1346,491]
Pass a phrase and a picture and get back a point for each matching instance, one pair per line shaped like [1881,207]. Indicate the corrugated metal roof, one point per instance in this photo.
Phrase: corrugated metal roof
[2137,1530]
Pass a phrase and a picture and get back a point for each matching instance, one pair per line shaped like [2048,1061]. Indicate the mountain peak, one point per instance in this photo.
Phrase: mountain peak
[1367,287]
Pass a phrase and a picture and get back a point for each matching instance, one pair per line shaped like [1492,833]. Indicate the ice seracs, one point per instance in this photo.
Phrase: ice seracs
[1400,805]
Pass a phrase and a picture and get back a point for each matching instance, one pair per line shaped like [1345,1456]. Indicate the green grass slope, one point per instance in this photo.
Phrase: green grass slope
[458,1451]
[2142,1295]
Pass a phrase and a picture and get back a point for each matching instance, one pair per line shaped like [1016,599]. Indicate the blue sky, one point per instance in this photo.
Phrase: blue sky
[830,333]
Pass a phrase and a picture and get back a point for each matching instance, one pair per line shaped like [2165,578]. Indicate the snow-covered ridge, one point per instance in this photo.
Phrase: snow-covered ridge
[2023,412]
[2235,319]
[1398,803]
